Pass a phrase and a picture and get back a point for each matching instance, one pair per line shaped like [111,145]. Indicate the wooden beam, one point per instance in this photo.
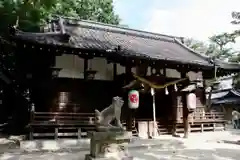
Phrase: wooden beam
[174,112]
[154,113]
[204,93]
[128,71]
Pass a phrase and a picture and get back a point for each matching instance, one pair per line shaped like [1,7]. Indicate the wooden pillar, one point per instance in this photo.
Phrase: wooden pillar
[154,112]
[165,72]
[128,71]
[174,112]
[204,100]
[185,116]
[85,68]
[185,111]
[114,71]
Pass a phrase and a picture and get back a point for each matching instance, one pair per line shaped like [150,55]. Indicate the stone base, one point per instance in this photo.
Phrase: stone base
[88,157]
[109,146]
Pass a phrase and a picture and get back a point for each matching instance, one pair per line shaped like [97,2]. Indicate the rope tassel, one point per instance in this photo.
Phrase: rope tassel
[166,91]
[175,87]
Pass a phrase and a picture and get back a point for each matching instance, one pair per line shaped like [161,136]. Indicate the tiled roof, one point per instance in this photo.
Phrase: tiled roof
[228,66]
[92,35]
[98,36]
[227,97]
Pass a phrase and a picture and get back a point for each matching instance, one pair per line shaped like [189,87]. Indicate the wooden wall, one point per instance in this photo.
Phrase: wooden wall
[85,95]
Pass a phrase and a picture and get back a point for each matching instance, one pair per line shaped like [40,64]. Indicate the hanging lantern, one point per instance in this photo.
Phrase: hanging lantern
[191,101]
[166,91]
[133,99]
[175,87]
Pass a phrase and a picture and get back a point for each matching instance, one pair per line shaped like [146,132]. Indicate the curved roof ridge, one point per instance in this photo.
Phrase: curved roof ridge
[121,29]
[191,50]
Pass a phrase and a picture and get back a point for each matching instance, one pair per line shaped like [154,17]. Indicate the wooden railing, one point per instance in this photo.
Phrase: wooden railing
[199,122]
[61,124]
[205,117]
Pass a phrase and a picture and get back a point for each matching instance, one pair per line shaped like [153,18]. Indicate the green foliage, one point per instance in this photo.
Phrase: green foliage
[212,50]
[95,10]
[215,49]
[219,47]
[197,46]
[236,17]
[223,39]
[32,14]
[29,13]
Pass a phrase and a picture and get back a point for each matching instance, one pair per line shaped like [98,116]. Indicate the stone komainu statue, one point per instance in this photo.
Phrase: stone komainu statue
[113,112]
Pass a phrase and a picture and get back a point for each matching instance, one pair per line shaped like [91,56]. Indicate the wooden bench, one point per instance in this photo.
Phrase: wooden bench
[59,124]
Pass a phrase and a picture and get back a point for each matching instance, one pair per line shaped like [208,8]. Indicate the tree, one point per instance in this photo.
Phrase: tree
[217,48]
[220,43]
[95,10]
[32,14]
[212,50]
[28,13]
[196,45]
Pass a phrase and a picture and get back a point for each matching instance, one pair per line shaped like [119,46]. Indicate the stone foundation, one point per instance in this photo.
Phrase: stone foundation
[109,146]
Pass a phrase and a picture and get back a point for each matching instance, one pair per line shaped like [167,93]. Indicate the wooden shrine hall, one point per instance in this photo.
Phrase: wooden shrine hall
[74,67]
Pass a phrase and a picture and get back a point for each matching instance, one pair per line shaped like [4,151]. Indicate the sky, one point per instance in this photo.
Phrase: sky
[198,19]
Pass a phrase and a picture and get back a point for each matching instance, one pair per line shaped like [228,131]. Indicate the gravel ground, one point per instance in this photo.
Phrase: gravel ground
[204,146]
[146,154]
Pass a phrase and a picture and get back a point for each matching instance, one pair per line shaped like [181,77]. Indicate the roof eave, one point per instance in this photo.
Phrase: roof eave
[197,64]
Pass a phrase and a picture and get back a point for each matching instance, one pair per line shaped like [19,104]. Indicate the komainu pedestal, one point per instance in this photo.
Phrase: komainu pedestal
[109,146]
